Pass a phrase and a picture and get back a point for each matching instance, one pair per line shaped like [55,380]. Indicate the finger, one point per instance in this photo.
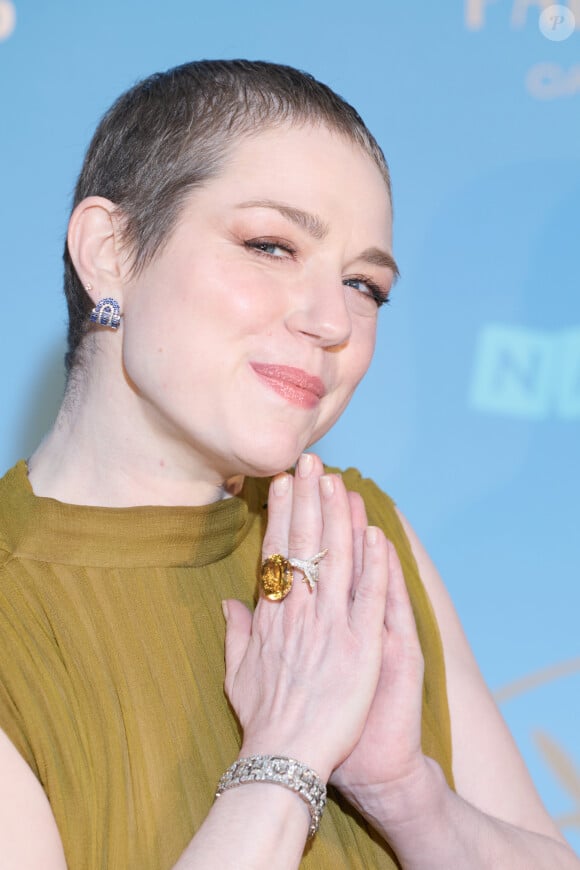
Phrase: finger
[275,540]
[359,523]
[399,616]
[305,529]
[279,514]
[238,630]
[306,522]
[369,605]
[402,642]
[336,569]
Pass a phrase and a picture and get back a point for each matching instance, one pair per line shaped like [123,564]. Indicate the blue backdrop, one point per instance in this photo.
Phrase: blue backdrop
[469,416]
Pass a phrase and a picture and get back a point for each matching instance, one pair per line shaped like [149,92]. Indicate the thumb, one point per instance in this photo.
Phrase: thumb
[238,629]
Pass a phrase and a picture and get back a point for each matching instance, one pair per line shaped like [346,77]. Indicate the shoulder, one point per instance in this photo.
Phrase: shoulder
[355,481]
[382,511]
[13,494]
[21,610]
[380,506]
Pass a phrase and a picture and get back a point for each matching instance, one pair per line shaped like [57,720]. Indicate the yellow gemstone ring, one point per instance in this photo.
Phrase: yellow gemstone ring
[277,575]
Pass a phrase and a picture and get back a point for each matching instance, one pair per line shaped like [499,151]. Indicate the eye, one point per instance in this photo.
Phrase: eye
[369,288]
[273,248]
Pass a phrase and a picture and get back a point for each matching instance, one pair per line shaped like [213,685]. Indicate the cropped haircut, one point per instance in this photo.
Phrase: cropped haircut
[172,132]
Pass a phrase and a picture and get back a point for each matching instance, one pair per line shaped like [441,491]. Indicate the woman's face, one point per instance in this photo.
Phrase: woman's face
[249,332]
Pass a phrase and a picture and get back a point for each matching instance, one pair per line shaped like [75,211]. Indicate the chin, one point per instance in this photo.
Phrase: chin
[270,461]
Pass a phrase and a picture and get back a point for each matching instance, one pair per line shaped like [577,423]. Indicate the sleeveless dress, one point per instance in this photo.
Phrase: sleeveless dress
[112,668]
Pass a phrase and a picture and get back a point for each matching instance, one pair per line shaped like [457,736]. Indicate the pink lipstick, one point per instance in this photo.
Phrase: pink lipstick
[293,384]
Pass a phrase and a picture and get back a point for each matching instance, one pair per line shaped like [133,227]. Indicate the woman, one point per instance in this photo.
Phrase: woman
[228,251]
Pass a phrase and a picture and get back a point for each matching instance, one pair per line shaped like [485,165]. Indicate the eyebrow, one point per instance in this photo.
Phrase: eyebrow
[376,257]
[313,225]
[318,229]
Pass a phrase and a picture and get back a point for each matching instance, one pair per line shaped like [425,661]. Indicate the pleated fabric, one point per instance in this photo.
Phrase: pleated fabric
[112,668]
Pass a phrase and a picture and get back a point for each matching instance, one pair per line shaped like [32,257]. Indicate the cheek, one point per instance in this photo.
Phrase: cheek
[352,368]
[245,301]
[362,350]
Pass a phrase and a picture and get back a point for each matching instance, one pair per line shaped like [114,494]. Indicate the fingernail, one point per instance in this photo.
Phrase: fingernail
[281,484]
[371,536]
[305,465]
[225,610]
[327,485]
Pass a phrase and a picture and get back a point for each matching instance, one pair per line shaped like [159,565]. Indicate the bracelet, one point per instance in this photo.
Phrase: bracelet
[283,771]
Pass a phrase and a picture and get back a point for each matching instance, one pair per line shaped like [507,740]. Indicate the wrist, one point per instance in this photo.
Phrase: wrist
[273,745]
[418,816]
[397,807]
[279,770]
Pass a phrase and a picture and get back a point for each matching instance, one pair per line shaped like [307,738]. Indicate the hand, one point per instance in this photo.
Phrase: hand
[389,749]
[302,673]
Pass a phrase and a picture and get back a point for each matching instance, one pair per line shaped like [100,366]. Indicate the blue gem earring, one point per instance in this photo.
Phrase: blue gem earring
[107,312]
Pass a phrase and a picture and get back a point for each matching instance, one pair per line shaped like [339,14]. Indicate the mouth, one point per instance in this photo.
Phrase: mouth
[293,384]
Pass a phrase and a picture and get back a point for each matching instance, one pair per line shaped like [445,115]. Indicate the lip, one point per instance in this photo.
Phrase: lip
[296,385]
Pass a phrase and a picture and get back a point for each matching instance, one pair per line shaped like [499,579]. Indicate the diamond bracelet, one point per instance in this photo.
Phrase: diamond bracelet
[284,771]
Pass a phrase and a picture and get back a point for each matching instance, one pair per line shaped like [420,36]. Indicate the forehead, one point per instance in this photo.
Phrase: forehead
[311,167]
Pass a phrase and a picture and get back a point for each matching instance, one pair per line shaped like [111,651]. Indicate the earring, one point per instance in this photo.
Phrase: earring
[107,312]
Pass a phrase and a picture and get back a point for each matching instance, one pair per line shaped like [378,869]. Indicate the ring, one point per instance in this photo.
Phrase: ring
[309,567]
[277,575]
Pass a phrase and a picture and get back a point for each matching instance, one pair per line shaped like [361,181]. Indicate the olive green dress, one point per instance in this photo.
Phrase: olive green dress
[112,668]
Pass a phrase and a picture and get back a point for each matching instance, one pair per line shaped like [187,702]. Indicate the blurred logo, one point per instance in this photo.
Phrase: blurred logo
[563,768]
[7,19]
[556,18]
[557,23]
[553,755]
[545,81]
[527,373]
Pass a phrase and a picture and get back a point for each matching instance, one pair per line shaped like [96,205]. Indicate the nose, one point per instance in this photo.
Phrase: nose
[318,311]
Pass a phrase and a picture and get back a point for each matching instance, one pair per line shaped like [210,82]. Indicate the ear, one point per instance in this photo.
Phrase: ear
[95,247]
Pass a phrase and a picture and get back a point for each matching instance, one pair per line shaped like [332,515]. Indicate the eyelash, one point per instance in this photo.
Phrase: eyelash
[258,246]
[377,293]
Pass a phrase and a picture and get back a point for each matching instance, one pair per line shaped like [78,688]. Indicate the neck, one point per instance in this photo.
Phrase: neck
[108,457]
